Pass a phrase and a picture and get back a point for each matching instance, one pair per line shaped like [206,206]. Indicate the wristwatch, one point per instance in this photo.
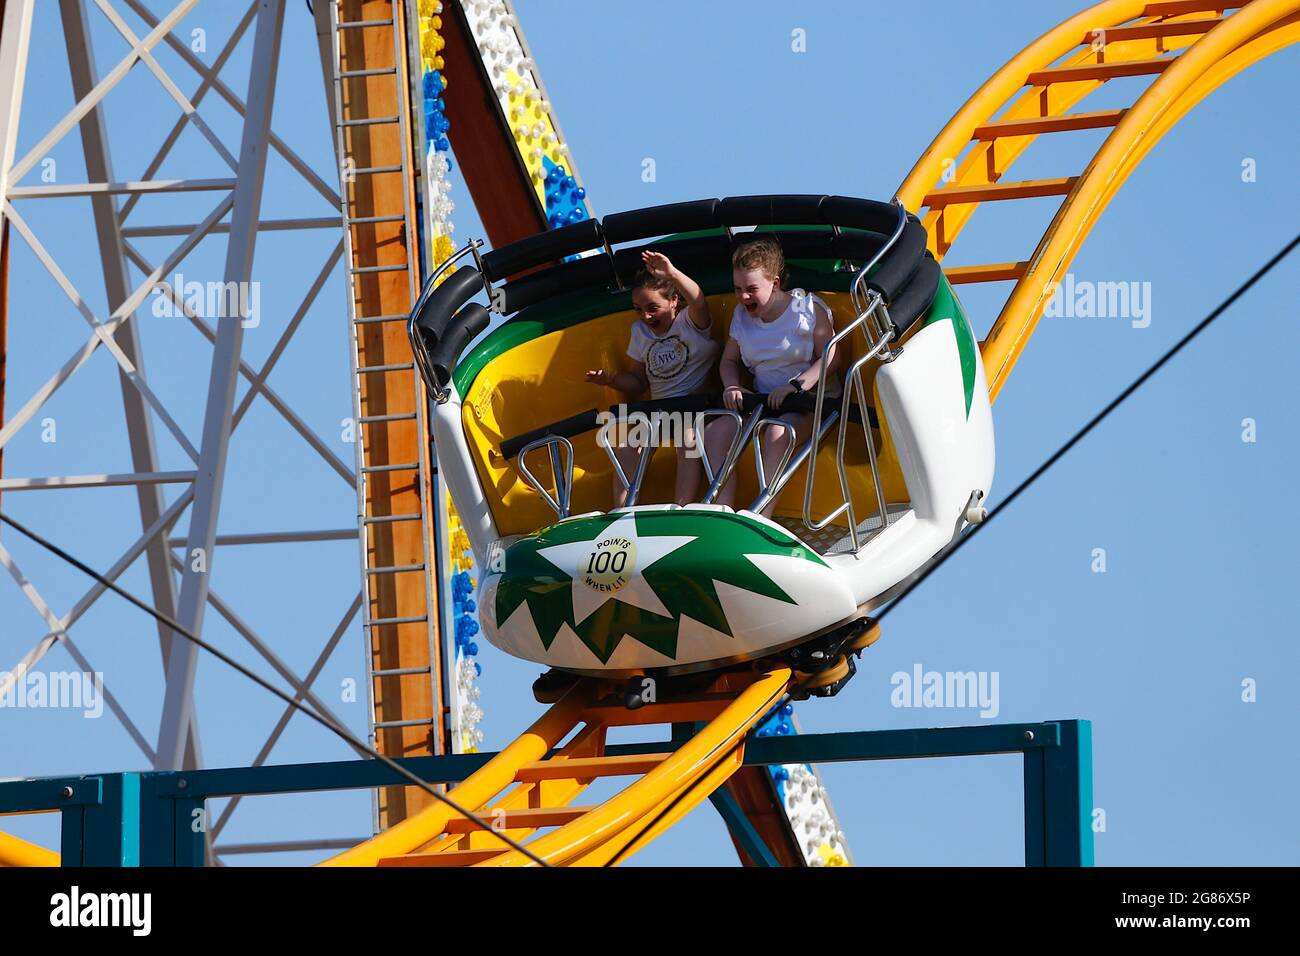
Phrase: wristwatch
[798,386]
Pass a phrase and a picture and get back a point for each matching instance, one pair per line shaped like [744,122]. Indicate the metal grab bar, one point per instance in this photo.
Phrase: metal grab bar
[759,470]
[418,348]
[743,431]
[854,386]
[633,486]
[562,470]
[782,477]
[861,277]
[874,348]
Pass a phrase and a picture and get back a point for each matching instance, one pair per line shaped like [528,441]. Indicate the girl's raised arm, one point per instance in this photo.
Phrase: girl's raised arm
[697,305]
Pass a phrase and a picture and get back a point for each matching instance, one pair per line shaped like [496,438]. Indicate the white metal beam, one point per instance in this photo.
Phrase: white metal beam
[183,50]
[95,481]
[63,190]
[102,89]
[277,537]
[187,108]
[15,39]
[280,725]
[221,228]
[59,635]
[262,647]
[105,336]
[120,315]
[200,92]
[178,701]
[257,384]
[163,522]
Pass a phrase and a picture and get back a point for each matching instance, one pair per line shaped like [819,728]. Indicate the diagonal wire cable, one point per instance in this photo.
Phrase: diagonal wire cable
[953,547]
[329,725]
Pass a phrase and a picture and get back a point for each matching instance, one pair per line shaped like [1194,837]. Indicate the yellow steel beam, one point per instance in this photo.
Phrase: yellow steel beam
[1048,124]
[991,272]
[491,779]
[674,777]
[1243,38]
[16,852]
[1057,75]
[993,192]
[667,813]
[555,794]
[1105,70]
[985,102]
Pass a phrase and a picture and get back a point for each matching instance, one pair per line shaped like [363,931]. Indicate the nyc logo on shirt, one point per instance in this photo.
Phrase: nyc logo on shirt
[666,357]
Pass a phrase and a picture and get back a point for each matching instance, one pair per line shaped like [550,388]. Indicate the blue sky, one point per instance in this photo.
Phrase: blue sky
[1196,524]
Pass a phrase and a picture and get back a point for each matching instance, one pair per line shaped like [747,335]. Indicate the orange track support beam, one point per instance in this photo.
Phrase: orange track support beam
[1048,124]
[1099,71]
[987,192]
[993,272]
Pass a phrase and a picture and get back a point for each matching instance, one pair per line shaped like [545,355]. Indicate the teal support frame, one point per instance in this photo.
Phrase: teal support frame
[741,828]
[158,819]
[1058,799]
[100,815]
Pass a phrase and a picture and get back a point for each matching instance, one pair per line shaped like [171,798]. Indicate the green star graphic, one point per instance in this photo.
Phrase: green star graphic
[682,555]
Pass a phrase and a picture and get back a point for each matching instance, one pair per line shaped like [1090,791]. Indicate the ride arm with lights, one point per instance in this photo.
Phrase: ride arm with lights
[697,304]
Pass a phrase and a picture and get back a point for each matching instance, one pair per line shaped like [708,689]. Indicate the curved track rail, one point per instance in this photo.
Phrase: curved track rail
[1189,47]
[523,790]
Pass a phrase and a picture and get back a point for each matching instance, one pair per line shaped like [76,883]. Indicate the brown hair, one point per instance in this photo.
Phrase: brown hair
[663,285]
[762,254]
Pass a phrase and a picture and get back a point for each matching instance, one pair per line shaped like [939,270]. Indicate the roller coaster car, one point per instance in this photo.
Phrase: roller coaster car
[900,465]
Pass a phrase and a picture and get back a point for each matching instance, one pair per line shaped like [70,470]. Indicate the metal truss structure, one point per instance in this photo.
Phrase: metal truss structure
[181,536]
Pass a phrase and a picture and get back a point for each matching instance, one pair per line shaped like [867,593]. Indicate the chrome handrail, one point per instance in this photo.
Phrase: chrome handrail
[699,438]
[884,333]
[854,386]
[633,486]
[873,350]
[418,348]
[563,476]
[783,477]
[861,277]
[743,431]
[759,470]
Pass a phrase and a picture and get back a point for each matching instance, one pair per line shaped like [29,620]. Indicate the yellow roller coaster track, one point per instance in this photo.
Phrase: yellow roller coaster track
[1189,47]
[521,790]
[16,852]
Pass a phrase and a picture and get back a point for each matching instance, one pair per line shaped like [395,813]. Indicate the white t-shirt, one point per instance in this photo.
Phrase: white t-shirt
[779,350]
[678,362]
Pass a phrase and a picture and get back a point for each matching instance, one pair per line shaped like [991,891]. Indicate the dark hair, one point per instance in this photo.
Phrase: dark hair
[664,286]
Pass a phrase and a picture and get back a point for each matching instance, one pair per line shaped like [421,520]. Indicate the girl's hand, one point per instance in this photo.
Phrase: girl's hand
[657,264]
[733,397]
[598,376]
[776,398]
